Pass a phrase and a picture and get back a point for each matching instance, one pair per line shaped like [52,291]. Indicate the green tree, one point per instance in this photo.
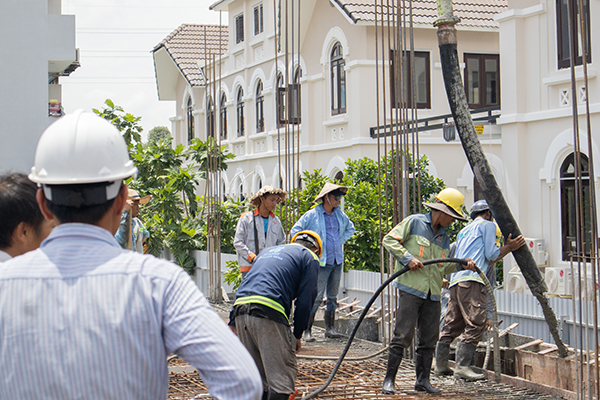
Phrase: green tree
[176,215]
[157,133]
[125,122]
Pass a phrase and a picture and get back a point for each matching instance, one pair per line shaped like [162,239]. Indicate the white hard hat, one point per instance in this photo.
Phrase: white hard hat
[81,148]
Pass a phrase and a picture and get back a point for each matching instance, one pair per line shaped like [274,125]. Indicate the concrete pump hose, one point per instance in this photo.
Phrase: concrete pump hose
[366,310]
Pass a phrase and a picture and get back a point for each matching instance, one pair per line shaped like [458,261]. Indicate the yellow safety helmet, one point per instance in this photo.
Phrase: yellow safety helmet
[453,199]
[312,237]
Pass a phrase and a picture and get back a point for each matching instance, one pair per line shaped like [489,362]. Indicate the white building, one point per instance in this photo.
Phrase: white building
[38,47]
[536,121]
[336,72]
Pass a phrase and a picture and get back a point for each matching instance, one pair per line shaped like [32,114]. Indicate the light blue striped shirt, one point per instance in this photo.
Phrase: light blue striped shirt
[81,318]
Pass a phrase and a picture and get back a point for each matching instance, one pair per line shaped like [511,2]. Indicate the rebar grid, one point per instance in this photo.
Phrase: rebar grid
[362,380]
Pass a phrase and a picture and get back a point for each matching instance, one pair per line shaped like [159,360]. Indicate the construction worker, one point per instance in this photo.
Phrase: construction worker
[467,309]
[334,226]
[261,313]
[22,226]
[417,238]
[260,228]
[131,223]
[81,317]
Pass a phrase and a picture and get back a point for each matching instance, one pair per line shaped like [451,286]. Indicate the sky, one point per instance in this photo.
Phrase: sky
[115,39]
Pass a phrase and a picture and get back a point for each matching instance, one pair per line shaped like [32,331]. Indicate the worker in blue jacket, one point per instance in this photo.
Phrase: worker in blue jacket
[262,309]
[335,228]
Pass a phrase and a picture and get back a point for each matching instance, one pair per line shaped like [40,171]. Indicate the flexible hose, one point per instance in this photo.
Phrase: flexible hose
[364,314]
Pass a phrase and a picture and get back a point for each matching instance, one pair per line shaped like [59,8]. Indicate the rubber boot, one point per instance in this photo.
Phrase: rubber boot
[329,325]
[423,369]
[394,360]
[442,353]
[464,355]
[265,395]
[278,396]
[308,332]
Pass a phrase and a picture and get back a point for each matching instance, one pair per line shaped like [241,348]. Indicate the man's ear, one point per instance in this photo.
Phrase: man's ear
[120,200]
[41,200]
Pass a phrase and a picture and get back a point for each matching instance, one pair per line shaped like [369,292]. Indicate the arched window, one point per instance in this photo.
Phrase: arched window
[568,205]
[295,103]
[210,118]
[260,111]
[240,112]
[338,80]
[223,115]
[281,117]
[190,120]
[241,191]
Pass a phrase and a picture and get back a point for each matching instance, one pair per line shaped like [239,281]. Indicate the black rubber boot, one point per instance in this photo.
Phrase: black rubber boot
[464,355]
[423,368]
[308,332]
[442,353]
[394,360]
[278,396]
[329,325]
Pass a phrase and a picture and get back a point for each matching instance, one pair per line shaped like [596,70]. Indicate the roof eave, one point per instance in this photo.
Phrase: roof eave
[220,5]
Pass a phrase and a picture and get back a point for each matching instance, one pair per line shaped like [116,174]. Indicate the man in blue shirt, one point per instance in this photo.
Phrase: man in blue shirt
[280,276]
[335,228]
[467,308]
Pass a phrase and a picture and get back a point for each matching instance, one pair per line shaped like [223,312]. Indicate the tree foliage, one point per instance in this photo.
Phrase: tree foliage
[176,215]
[158,132]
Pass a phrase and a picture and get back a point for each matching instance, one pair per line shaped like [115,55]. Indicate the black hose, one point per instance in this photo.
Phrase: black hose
[364,314]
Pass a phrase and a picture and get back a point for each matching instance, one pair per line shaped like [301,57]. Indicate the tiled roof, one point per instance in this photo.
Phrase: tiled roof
[472,13]
[190,43]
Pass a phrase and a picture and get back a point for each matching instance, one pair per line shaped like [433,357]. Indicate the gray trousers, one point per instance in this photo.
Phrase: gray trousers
[424,314]
[273,348]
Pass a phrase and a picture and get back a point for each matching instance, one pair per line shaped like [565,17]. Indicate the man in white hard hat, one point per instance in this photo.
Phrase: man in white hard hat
[335,228]
[22,226]
[81,317]
[260,228]
[131,223]
[418,238]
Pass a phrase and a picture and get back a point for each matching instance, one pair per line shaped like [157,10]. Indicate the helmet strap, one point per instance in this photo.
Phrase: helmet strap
[82,195]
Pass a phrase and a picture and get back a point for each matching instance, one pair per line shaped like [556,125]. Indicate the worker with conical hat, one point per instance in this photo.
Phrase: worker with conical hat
[130,223]
[335,228]
[421,237]
[259,228]
[466,313]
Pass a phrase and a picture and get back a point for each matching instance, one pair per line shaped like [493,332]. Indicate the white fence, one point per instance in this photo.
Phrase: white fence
[512,307]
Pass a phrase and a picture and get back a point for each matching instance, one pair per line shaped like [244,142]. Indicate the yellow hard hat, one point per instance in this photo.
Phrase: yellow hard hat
[312,237]
[453,199]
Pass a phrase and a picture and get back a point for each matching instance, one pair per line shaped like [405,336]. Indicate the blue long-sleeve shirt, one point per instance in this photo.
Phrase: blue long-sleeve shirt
[281,274]
[314,220]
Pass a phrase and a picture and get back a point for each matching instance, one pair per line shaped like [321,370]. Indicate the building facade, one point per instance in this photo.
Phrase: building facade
[334,64]
[38,48]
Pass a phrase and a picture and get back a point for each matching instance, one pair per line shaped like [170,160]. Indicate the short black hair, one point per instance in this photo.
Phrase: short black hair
[17,204]
[476,214]
[306,244]
[85,214]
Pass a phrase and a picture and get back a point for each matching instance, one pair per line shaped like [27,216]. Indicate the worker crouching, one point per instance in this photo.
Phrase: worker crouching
[417,238]
[262,308]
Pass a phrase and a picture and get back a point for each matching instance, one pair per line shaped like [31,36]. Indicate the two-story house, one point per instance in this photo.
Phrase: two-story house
[335,57]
